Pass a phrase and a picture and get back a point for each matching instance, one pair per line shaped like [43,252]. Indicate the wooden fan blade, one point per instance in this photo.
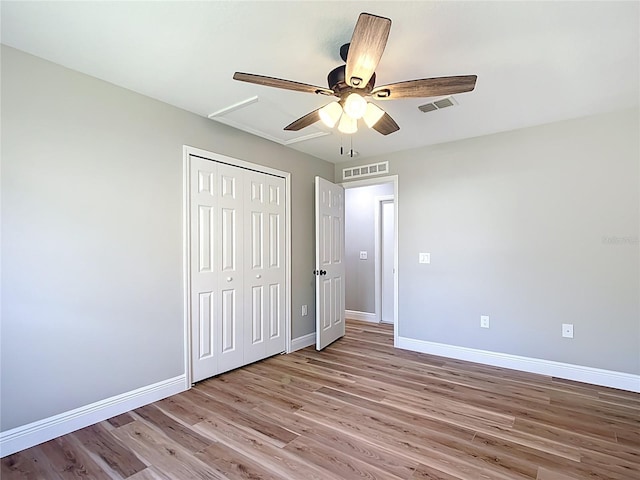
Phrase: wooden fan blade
[366,48]
[280,83]
[425,87]
[302,122]
[386,125]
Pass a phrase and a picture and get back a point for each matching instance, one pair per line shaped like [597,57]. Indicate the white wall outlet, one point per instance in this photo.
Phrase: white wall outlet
[567,330]
[304,310]
[363,255]
[484,321]
[424,258]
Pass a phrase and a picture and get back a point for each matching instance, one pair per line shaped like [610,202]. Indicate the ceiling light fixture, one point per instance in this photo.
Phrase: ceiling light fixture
[372,115]
[330,114]
[355,105]
[348,124]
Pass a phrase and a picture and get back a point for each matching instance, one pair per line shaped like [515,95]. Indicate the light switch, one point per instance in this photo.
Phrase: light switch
[363,255]
[424,258]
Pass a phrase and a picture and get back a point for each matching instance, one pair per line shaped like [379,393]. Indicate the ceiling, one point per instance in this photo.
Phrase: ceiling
[537,62]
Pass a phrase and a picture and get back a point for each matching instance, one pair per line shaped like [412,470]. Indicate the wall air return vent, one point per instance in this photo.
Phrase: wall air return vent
[365,170]
[438,105]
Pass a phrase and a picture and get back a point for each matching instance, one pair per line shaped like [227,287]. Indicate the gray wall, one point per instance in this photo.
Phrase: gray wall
[360,235]
[535,228]
[92,295]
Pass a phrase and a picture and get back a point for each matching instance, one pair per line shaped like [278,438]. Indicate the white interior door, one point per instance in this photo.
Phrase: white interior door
[387,245]
[203,184]
[329,262]
[228,264]
[264,276]
[237,266]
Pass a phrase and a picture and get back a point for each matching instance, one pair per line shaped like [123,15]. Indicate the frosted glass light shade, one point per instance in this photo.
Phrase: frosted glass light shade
[348,124]
[330,114]
[372,114]
[355,105]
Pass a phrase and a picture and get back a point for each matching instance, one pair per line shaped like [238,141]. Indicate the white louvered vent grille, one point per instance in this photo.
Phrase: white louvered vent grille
[365,170]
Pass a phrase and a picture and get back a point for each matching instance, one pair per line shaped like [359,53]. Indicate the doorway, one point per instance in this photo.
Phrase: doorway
[371,257]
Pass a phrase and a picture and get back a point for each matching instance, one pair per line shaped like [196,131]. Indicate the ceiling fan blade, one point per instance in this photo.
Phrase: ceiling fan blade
[302,122]
[425,87]
[386,125]
[280,83]
[366,48]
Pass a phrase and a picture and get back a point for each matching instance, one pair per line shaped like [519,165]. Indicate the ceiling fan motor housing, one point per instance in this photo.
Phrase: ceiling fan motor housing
[337,83]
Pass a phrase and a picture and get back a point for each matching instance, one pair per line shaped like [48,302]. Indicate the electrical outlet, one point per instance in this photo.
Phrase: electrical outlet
[567,330]
[424,258]
[304,310]
[484,321]
[364,255]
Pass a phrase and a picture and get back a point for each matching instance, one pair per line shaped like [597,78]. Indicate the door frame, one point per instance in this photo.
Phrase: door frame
[186,241]
[377,221]
[392,179]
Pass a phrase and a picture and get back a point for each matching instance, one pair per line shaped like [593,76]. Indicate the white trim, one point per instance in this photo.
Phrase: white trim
[303,342]
[218,116]
[44,430]
[579,373]
[188,150]
[393,179]
[362,316]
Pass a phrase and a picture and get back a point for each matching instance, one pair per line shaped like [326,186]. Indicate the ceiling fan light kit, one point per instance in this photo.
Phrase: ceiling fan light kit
[347,125]
[330,114]
[355,80]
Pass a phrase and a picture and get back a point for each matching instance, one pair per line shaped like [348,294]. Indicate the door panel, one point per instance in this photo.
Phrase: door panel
[387,255]
[229,250]
[204,335]
[329,262]
[266,223]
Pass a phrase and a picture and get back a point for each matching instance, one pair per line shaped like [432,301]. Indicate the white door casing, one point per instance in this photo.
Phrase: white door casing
[330,268]
[237,280]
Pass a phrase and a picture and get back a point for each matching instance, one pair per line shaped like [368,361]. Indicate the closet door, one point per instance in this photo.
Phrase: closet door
[264,266]
[229,267]
[203,184]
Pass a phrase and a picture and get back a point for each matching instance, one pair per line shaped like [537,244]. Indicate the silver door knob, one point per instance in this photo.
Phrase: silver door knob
[258,276]
[229,279]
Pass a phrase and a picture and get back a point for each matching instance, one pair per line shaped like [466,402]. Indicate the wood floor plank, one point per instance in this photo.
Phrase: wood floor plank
[67,460]
[119,457]
[159,451]
[358,409]
[187,438]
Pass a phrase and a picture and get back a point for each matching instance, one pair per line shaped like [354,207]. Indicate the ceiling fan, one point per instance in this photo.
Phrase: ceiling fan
[352,82]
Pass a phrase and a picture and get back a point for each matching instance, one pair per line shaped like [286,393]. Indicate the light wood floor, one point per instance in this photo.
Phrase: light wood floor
[360,409]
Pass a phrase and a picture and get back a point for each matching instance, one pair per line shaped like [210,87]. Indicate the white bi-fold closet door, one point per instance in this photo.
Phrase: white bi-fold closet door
[237,235]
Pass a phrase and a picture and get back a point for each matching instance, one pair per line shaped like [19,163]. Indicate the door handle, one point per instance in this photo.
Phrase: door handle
[258,276]
[229,279]
[319,272]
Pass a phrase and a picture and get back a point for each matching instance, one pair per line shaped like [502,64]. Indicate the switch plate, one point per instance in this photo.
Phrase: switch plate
[363,255]
[567,330]
[424,258]
[304,310]
[484,321]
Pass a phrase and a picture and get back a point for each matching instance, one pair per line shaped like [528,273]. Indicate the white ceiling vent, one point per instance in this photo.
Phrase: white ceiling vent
[365,170]
[438,104]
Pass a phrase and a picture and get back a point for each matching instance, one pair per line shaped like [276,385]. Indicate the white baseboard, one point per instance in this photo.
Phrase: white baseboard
[595,376]
[44,430]
[362,316]
[303,341]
